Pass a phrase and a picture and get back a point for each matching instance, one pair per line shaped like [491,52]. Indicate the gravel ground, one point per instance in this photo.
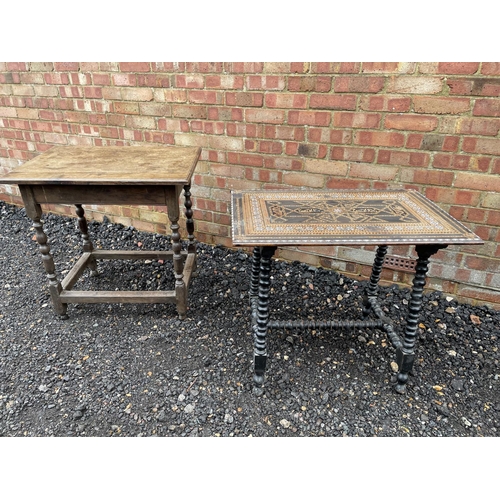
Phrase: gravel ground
[136,370]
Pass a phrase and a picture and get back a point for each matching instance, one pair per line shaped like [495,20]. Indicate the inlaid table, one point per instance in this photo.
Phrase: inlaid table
[129,175]
[272,218]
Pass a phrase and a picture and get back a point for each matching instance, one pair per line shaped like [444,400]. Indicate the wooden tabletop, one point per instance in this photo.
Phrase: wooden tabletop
[112,165]
[342,217]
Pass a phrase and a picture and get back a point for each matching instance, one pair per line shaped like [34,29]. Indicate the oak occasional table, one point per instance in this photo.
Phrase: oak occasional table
[129,175]
[268,219]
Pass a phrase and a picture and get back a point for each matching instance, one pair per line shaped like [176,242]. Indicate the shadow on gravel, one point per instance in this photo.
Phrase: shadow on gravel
[136,370]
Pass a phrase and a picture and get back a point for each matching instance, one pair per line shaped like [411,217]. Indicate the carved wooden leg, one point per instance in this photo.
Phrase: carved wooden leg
[178,261]
[87,243]
[260,351]
[34,212]
[372,290]
[254,288]
[189,219]
[405,355]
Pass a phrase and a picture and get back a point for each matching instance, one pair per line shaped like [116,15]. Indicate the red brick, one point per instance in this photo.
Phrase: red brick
[204,97]
[490,68]
[389,139]
[226,114]
[476,215]
[224,82]
[403,158]
[360,84]
[135,67]
[184,111]
[266,115]
[258,174]
[265,82]
[153,80]
[92,92]
[481,182]
[136,94]
[452,196]
[245,159]
[71,91]
[487,107]
[56,78]
[427,176]
[388,67]
[189,81]
[338,67]
[245,99]
[206,127]
[204,67]
[125,80]
[330,136]
[487,87]
[66,66]
[319,101]
[462,162]
[317,118]
[338,183]
[309,83]
[356,120]
[493,218]
[154,109]
[288,101]
[246,67]
[385,103]
[481,146]
[129,108]
[271,147]
[301,179]
[367,171]
[243,129]
[17,66]
[411,122]
[441,105]
[458,68]
[478,126]
[101,79]
[352,154]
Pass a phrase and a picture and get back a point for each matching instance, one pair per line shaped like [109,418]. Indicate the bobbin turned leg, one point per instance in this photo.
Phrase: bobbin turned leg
[173,193]
[372,290]
[405,355]
[34,212]
[261,323]
[87,243]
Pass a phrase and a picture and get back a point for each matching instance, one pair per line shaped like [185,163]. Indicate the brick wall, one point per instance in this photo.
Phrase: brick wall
[433,127]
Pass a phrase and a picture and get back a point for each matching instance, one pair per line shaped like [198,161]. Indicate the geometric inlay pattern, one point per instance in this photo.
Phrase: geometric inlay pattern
[342,217]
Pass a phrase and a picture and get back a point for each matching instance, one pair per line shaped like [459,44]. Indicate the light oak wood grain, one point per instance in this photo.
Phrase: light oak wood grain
[108,165]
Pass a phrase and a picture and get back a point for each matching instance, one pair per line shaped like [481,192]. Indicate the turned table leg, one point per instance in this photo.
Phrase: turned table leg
[372,291]
[87,243]
[173,193]
[262,316]
[34,212]
[405,355]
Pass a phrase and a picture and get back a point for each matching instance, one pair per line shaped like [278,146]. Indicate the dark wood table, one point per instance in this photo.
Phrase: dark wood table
[130,175]
[268,219]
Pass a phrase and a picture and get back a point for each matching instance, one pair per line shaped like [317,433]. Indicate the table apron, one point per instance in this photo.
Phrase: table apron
[104,194]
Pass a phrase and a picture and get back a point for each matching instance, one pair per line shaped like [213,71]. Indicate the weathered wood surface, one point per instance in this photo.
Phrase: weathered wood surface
[137,165]
[129,297]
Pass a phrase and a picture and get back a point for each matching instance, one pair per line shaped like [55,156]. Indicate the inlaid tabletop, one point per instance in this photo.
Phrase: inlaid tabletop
[342,217]
[108,165]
